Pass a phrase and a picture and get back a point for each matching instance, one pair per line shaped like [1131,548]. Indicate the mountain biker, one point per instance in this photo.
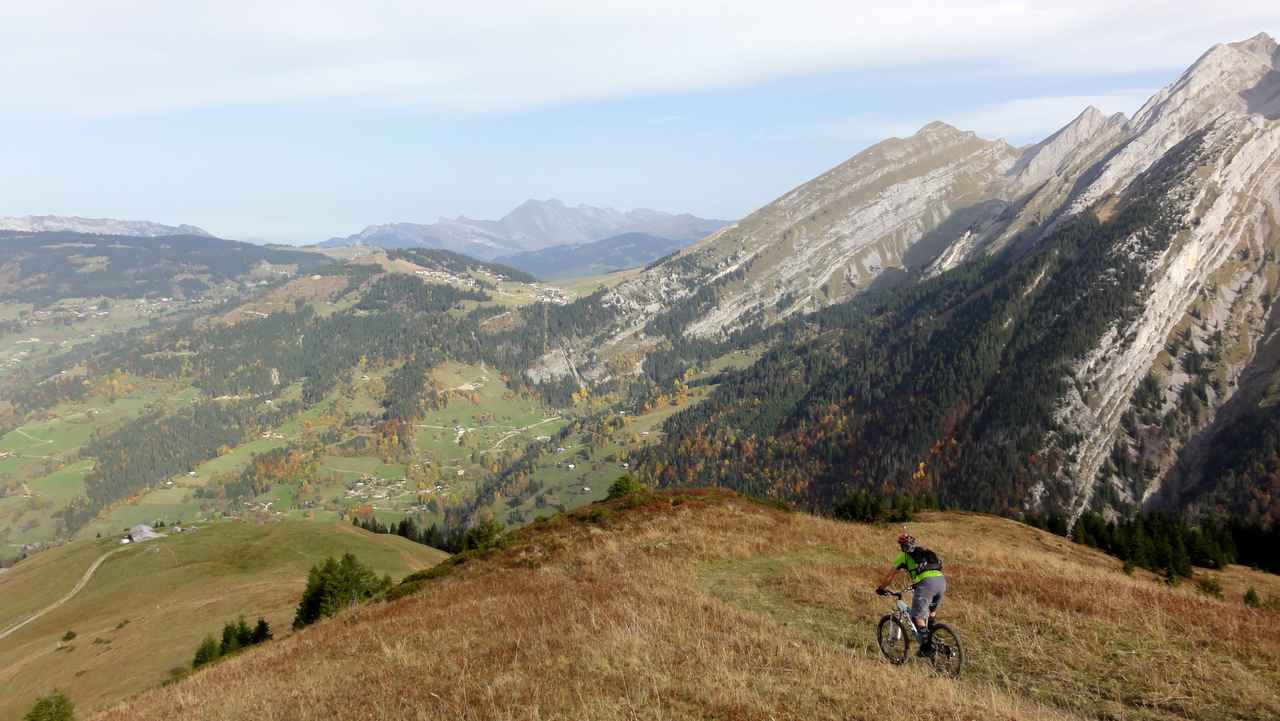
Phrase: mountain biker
[927,584]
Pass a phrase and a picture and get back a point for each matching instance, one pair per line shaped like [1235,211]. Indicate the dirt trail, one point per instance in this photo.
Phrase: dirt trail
[84,580]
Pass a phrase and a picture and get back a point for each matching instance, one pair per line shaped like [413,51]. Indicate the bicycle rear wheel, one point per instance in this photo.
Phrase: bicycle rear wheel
[948,652]
[893,639]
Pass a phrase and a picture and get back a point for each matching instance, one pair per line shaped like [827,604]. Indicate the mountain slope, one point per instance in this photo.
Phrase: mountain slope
[531,226]
[96,226]
[835,235]
[147,607]
[1038,291]
[629,250]
[712,606]
[46,266]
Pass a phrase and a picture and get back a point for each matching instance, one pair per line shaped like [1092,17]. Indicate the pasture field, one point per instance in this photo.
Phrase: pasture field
[577,287]
[40,464]
[147,607]
[706,605]
[483,416]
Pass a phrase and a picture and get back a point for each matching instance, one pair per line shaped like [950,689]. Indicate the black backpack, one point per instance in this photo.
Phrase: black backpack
[925,560]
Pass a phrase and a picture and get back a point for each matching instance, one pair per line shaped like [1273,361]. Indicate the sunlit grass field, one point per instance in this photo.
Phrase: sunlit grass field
[707,605]
[147,607]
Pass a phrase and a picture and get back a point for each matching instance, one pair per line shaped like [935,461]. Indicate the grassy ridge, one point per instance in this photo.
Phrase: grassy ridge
[707,605]
[147,607]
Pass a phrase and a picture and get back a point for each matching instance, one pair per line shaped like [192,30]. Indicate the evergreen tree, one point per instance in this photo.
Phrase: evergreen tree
[230,640]
[207,652]
[335,585]
[244,634]
[54,707]
[262,631]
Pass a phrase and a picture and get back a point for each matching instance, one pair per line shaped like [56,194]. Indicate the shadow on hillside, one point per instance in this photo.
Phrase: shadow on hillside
[1264,98]
[977,217]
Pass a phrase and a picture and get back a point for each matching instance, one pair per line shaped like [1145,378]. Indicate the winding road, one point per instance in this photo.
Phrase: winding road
[84,580]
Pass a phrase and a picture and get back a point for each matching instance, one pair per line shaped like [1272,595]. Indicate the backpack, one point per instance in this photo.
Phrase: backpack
[925,560]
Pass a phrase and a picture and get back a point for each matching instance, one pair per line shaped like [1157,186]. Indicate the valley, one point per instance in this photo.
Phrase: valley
[592,463]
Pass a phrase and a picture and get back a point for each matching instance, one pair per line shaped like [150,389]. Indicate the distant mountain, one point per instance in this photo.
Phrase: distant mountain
[97,226]
[628,250]
[47,266]
[531,226]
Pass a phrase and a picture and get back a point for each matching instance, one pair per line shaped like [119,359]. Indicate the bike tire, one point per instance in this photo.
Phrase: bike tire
[894,640]
[948,651]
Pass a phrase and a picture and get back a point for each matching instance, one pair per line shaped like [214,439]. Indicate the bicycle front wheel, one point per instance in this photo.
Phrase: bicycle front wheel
[948,652]
[893,639]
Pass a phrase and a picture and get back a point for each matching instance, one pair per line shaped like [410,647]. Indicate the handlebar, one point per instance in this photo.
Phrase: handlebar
[891,592]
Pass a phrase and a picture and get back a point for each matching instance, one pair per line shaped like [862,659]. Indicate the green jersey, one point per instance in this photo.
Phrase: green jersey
[908,564]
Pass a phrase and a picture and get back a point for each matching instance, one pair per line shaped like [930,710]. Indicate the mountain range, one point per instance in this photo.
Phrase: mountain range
[96,226]
[1084,318]
[533,225]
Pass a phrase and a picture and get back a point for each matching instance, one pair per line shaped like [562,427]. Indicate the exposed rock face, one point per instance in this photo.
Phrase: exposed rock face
[886,208]
[97,226]
[1232,204]
[531,226]
[914,207]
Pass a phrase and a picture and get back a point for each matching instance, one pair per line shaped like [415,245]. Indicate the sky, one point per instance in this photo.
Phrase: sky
[299,120]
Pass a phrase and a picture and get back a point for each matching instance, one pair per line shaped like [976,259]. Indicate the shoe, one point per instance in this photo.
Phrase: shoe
[926,650]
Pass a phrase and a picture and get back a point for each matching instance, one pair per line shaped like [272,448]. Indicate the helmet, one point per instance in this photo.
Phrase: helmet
[906,542]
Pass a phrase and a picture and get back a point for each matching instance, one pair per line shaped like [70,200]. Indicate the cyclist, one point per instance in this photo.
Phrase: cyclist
[927,584]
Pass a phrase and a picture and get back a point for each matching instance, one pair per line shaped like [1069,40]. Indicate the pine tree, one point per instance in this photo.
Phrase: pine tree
[262,631]
[207,652]
[230,640]
[335,585]
[244,634]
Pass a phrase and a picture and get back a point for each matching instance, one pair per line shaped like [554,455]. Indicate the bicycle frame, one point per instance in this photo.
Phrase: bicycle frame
[902,612]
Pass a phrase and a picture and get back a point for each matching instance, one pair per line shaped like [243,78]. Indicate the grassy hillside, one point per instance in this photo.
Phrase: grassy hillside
[44,267]
[147,606]
[707,605]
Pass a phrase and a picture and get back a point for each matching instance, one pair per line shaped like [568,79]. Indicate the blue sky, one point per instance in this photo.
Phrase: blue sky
[316,119]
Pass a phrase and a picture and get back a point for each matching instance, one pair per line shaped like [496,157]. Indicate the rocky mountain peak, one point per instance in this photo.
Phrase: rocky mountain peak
[1261,44]
[940,132]
[1230,77]
[1055,153]
[1230,80]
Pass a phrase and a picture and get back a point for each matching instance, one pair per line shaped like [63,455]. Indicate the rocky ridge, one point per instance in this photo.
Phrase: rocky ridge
[912,208]
[97,226]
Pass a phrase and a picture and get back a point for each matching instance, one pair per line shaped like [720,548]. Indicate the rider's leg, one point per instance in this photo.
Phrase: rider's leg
[921,597]
[924,607]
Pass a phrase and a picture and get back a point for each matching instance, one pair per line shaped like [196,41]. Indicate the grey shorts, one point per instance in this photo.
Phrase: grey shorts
[927,596]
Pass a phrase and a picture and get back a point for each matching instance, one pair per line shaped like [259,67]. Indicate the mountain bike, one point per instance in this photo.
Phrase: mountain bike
[896,631]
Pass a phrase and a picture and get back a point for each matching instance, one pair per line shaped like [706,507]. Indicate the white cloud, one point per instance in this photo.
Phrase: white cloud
[1019,121]
[1030,119]
[120,56]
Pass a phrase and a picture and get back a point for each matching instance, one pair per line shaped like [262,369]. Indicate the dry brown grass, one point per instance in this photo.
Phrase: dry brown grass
[709,606]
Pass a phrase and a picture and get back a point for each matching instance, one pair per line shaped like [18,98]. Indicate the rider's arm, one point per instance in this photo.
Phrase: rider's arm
[888,578]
